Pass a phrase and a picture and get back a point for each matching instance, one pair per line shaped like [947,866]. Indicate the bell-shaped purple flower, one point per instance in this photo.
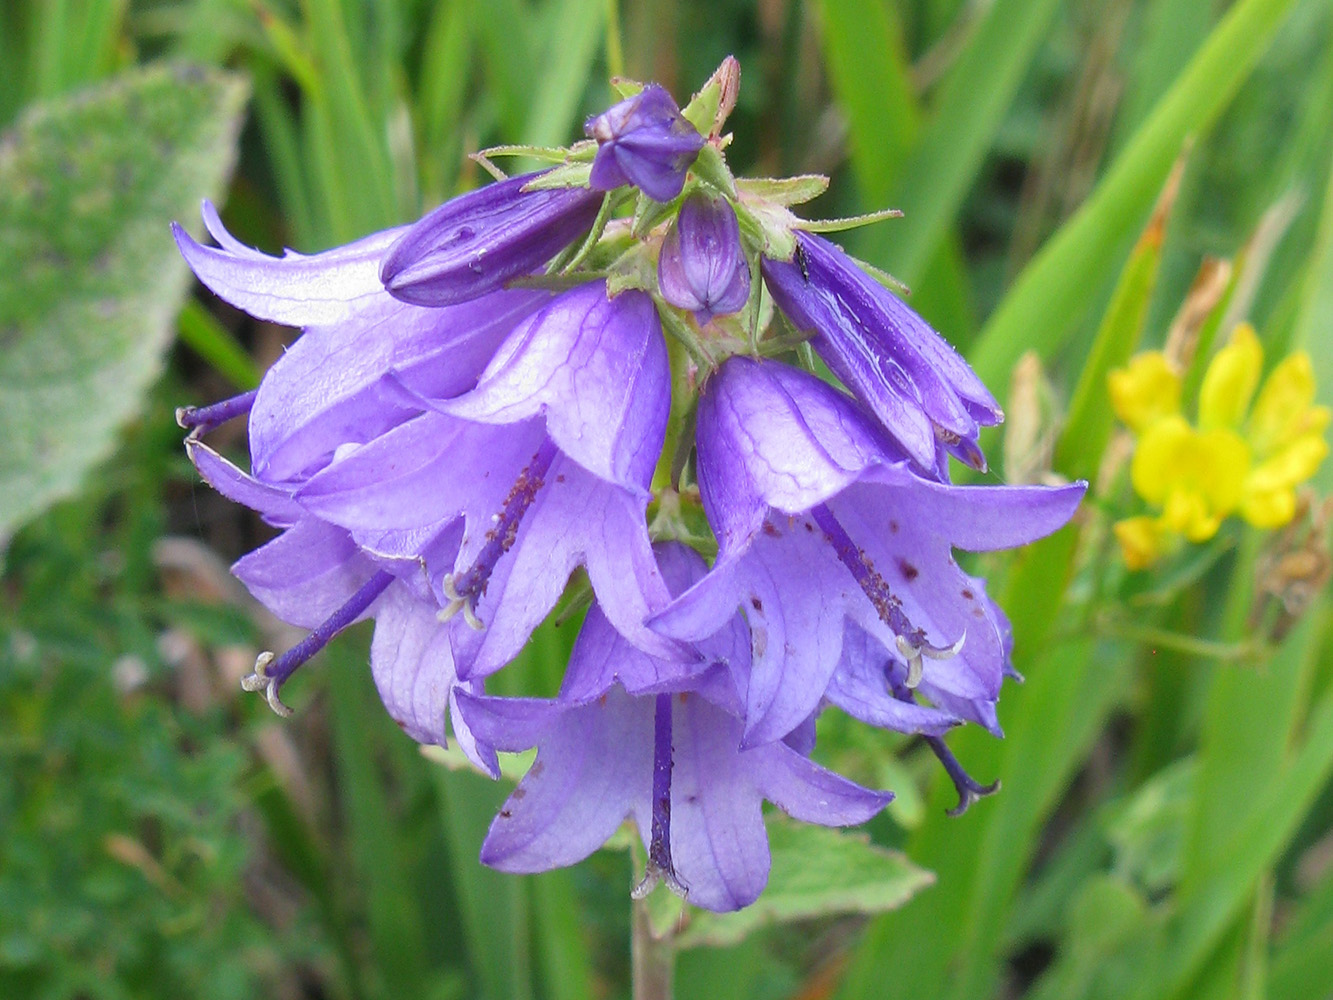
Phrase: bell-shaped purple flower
[645,141]
[315,576]
[634,736]
[476,242]
[702,266]
[541,468]
[918,387]
[347,380]
[819,525]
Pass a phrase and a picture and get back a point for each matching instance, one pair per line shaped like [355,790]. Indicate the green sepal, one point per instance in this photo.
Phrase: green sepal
[711,167]
[567,175]
[849,222]
[783,190]
[625,87]
[701,112]
[769,226]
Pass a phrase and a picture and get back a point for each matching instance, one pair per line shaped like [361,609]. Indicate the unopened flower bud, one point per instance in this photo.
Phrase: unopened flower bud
[476,242]
[702,267]
[645,141]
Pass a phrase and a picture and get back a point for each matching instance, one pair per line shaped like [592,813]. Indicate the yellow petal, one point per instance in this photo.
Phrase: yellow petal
[1292,465]
[1142,541]
[1271,509]
[1230,381]
[1157,458]
[1172,457]
[1187,512]
[1144,391]
[1287,394]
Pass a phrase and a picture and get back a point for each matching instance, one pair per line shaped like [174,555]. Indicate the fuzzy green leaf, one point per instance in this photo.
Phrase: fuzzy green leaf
[817,872]
[91,279]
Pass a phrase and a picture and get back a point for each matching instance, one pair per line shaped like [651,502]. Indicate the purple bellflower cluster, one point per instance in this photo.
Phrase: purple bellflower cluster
[579,370]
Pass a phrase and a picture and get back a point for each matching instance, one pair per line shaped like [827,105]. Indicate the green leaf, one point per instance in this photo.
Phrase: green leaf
[1051,294]
[817,872]
[90,279]
[1088,429]
[950,151]
[1148,832]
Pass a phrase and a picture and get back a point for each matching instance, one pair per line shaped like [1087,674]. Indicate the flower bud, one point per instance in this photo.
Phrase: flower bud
[702,267]
[921,391]
[476,242]
[645,141]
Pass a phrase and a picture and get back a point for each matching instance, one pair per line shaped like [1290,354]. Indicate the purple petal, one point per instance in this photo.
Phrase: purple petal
[602,657]
[867,347]
[414,671]
[343,384]
[597,370]
[575,519]
[274,503]
[719,846]
[860,688]
[429,470]
[769,434]
[593,769]
[293,289]
[305,574]
[476,242]
[644,140]
[980,518]
[805,791]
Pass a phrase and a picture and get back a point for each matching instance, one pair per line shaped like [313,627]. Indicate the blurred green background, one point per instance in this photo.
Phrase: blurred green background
[1165,825]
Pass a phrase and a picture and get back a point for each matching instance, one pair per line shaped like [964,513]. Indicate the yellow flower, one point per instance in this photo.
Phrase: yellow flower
[1145,391]
[1238,459]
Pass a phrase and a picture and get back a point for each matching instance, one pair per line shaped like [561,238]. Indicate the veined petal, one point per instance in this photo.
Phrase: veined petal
[293,289]
[414,671]
[575,519]
[306,573]
[770,435]
[593,769]
[596,369]
[702,266]
[978,518]
[426,471]
[343,384]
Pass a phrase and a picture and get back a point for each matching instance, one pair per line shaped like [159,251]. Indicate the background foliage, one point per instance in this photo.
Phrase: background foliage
[1164,828]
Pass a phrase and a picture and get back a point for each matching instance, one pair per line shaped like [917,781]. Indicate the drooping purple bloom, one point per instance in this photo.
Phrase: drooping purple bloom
[350,378]
[314,575]
[633,736]
[702,266]
[544,467]
[916,385]
[645,141]
[819,525]
[476,242]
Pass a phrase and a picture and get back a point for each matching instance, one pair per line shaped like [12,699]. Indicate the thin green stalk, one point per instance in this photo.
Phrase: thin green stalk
[653,959]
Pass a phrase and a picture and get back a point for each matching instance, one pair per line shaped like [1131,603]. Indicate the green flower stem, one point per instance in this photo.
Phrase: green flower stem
[653,959]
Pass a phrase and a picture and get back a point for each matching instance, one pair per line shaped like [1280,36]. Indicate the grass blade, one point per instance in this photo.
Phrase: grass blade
[1050,296]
